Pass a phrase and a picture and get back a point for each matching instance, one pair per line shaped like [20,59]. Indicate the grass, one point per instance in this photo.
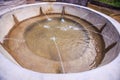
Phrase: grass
[111,2]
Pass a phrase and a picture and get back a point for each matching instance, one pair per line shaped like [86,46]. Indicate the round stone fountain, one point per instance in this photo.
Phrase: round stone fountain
[58,41]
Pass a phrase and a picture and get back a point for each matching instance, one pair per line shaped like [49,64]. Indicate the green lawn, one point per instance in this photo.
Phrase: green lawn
[115,3]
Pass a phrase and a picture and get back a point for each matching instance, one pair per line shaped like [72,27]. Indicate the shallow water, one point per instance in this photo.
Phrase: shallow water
[55,45]
[70,37]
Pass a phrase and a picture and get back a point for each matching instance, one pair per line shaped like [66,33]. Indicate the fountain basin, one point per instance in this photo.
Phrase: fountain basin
[105,26]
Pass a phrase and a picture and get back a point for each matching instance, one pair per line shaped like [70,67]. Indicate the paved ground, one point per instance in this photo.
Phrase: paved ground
[110,12]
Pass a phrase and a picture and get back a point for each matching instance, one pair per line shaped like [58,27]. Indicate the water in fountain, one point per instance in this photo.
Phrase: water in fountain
[42,13]
[59,54]
[62,14]
[55,44]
